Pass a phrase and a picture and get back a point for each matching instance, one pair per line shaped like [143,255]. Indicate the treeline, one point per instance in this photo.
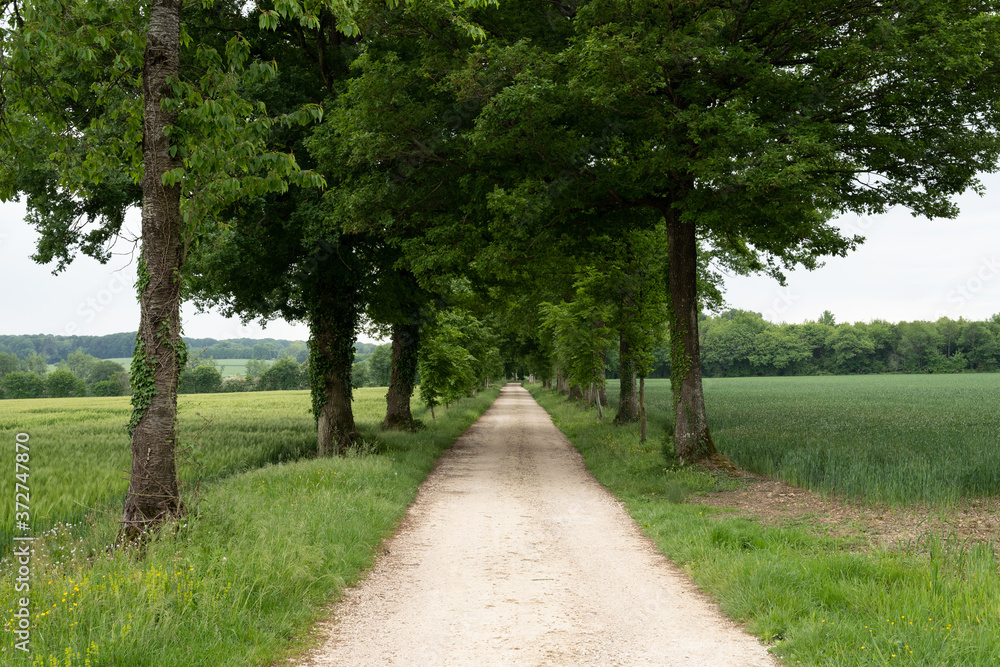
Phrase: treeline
[739,343]
[122,345]
[79,374]
[83,374]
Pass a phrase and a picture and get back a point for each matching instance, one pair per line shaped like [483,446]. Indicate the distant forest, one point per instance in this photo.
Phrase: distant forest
[734,343]
[121,345]
[741,343]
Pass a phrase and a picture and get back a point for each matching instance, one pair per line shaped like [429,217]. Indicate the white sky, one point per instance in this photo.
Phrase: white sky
[908,269]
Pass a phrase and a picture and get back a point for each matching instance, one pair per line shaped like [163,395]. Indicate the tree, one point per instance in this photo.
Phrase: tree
[579,332]
[284,374]
[104,369]
[852,349]
[359,374]
[264,351]
[748,125]
[380,366]
[107,388]
[89,142]
[447,368]
[35,363]
[200,380]
[62,383]
[8,364]
[22,384]
[79,363]
[256,368]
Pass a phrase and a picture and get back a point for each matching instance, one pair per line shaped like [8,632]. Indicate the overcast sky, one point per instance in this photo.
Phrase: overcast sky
[908,269]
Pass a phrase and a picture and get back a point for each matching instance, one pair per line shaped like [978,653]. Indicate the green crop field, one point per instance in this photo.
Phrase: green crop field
[821,598]
[882,438]
[262,550]
[80,456]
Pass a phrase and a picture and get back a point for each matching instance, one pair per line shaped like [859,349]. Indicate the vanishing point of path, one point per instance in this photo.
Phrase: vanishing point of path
[512,554]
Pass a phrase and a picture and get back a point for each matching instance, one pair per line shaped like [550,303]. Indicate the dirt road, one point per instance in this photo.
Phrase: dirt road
[513,554]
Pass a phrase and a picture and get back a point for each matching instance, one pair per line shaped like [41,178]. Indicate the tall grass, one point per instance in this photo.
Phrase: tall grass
[935,603]
[238,581]
[80,453]
[879,438]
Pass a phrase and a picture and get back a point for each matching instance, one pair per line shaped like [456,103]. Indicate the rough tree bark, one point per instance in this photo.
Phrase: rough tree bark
[603,391]
[331,354]
[642,409]
[153,494]
[405,345]
[691,434]
[628,401]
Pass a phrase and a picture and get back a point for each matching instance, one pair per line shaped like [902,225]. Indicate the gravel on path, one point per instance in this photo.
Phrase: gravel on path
[513,554]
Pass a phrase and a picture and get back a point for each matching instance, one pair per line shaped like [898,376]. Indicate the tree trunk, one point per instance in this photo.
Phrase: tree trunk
[691,435]
[603,391]
[331,354]
[628,400]
[642,409]
[576,393]
[153,495]
[405,345]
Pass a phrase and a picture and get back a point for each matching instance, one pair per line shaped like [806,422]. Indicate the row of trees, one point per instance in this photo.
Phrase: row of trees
[122,345]
[80,374]
[516,184]
[738,343]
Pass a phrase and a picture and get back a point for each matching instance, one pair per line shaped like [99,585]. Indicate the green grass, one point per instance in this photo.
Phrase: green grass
[878,438]
[240,580]
[80,455]
[934,603]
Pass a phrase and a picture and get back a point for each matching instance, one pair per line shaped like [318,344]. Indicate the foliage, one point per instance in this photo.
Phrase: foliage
[255,368]
[580,332]
[380,366]
[21,384]
[107,388]
[8,364]
[284,374]
[35,363]
[739,343]
[264,350]
[200,380]
[446,366]
[64,384]
[81,364]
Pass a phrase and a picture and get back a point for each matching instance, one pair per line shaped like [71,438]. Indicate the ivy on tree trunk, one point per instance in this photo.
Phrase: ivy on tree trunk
[331,355]
[691,434]
[405,346]
[628,402]
[153,494]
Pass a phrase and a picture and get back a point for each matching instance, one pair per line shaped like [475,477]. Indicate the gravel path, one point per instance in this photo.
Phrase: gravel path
[512,554]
